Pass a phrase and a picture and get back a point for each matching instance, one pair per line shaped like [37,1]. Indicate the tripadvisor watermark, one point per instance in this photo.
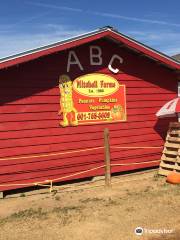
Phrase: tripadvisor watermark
[140,231]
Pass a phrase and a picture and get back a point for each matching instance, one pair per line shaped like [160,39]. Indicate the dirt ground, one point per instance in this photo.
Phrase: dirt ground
[88,211]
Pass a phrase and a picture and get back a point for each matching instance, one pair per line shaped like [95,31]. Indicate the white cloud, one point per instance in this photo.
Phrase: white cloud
[15,43]
[165,41]
[172,50]
[134,19]
[104,14]
[9,28]
[155,35]
[52,6]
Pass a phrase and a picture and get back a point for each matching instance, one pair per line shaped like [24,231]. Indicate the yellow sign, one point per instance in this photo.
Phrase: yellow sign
[95,85]
[91,99]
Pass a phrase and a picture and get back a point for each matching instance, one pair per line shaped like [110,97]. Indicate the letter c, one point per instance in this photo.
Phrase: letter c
[114,70]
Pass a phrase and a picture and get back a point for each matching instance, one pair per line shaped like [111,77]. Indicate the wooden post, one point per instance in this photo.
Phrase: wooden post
[51,186]
[107,158]
[1,195]
[178,96]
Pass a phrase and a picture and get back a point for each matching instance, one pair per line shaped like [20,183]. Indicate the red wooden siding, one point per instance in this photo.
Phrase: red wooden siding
[29,124]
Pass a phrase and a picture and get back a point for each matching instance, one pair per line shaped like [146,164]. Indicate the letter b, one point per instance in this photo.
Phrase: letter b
[95,55]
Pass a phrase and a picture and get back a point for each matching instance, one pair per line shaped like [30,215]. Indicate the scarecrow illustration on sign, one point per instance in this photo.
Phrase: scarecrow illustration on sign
[66,102]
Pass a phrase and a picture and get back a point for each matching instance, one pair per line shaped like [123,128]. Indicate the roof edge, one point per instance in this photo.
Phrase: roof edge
[45,47]
[106,31]
[145,46]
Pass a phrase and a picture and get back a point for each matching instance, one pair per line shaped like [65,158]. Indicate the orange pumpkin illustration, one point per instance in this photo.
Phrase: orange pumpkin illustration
[117,112]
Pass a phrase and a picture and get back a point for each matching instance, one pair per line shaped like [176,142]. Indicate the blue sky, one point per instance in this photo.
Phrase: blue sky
[29,24]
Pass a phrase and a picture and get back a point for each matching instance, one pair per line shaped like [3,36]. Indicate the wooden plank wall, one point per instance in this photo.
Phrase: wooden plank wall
[29,124]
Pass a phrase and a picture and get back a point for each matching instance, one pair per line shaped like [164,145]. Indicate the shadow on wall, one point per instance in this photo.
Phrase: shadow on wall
[162,126]
[27,79]
[36,77]
[41,74]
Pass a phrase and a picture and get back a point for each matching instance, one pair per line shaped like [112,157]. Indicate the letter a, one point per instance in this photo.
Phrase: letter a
[73,60]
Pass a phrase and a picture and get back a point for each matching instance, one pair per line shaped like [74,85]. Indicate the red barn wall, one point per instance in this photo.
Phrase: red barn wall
[29,121]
